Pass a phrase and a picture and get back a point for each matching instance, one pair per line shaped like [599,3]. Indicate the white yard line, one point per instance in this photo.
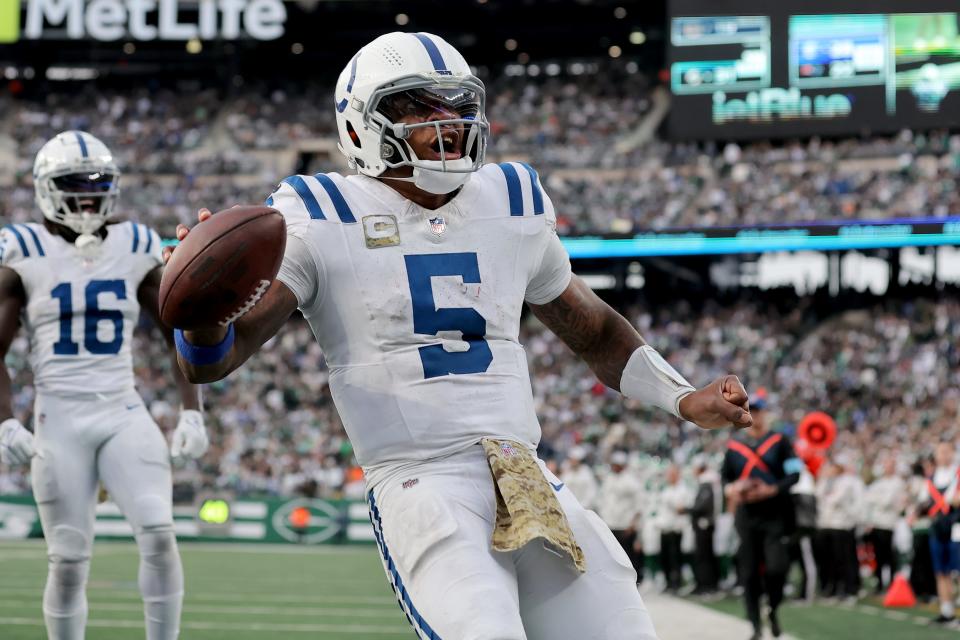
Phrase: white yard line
[396,630]
[95,592]
[21,603]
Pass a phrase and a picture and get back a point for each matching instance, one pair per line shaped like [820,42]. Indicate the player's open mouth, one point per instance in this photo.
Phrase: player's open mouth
[450,141]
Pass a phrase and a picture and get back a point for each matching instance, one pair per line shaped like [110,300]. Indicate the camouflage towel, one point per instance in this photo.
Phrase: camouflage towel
[527,507]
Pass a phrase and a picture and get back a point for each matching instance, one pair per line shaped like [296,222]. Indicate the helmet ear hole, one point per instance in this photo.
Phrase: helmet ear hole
[354,136]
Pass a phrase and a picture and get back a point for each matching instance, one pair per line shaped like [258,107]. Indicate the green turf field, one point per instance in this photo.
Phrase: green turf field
[233,591]
[257,591]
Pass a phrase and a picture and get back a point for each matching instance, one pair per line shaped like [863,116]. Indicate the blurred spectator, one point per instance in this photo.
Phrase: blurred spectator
[620,501]
[675,501]
[839,498]
[579,477]
[703,516]
[942,497]
[886,500]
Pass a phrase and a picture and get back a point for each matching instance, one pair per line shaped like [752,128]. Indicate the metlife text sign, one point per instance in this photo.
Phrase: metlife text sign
[141,20]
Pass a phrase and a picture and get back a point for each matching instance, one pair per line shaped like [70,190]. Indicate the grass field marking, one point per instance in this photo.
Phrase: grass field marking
[226,626]
[899,616]
[20,603]
[133,594]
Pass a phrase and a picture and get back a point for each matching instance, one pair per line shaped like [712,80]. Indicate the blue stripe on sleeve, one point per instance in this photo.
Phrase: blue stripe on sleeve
[309,200]
[149,239]
[343,209]
[414,617]
[36,239]
[535,189]
[513,188]
[136,237]
[432,51]
[268,201]
[23,243]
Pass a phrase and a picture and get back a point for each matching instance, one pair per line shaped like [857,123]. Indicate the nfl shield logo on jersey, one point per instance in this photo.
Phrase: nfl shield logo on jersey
[438,225]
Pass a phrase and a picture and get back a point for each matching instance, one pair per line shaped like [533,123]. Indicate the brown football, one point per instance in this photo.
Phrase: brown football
[222,268]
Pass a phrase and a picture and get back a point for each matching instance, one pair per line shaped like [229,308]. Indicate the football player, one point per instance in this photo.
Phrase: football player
[77,284]
[413,275]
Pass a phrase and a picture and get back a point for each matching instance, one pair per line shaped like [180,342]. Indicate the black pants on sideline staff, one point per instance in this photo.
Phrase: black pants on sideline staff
[628,540]
[671,558]
[706,569]
[764,558]
[882,540]
[839,567]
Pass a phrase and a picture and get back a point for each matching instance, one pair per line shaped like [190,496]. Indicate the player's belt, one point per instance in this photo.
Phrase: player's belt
[754,458]
[527,507]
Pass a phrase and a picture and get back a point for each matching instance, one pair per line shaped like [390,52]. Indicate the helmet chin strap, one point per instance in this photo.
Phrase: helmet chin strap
[88,245]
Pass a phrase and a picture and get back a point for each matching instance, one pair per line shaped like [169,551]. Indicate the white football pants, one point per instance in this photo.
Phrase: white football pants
[433,524]
[82,440]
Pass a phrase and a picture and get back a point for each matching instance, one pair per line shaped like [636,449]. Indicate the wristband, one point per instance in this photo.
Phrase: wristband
[199,355]
[650,379]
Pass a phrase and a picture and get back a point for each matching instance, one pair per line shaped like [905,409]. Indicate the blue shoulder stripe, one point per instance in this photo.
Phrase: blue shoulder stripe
[36,240]
[19,236]
[343,209]
[309,200]
[268,201]
[535,189]
[149,239]
[136,237]
[513,188]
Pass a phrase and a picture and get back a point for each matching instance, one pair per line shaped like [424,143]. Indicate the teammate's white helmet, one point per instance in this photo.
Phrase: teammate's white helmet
[411,73]
[75,181]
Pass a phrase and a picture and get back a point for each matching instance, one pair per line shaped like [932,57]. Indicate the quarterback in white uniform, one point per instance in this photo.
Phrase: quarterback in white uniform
[77,284]
[413,275]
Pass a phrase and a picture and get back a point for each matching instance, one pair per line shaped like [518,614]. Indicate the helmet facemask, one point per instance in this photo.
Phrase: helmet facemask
[81,201]
[455,112]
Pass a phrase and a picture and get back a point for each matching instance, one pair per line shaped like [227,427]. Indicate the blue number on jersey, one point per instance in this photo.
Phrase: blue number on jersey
[93,315]
[429,320]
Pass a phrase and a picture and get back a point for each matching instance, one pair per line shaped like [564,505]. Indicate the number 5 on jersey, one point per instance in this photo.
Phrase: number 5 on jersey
[429,320]
[92,316]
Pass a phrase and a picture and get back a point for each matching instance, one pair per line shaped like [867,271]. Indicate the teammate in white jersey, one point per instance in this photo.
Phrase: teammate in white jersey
[77,284]
[413,275]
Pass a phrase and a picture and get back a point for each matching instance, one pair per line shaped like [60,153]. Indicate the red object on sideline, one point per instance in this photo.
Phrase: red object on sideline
[900,594]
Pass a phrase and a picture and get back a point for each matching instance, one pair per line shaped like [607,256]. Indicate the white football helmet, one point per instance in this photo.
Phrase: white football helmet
[76,181]
[412,74]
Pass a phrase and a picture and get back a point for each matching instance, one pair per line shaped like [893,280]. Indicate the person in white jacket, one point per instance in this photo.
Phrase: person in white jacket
[620,504]
[675,502]
[579,477]
[886,499]
[839,501]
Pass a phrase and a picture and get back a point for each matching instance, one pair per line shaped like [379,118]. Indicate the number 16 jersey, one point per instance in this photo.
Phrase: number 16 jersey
[418,311]
[80,313]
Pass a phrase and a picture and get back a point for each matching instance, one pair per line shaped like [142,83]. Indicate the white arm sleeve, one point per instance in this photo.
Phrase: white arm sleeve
[552,275]
[302,272]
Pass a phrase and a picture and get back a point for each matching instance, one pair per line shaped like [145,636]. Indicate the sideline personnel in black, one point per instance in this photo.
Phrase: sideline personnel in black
[758,470]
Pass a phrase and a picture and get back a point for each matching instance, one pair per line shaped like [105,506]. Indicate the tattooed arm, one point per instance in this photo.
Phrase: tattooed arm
[606,341]
[592,329]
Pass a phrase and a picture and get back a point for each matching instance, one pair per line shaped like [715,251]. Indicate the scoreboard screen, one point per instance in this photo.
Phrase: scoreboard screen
[749,69]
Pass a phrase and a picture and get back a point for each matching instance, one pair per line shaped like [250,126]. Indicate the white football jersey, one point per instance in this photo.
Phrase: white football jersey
[418,310]
[80,314]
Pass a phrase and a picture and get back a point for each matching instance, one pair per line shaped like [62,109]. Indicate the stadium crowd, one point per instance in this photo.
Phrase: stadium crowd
[182,149]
